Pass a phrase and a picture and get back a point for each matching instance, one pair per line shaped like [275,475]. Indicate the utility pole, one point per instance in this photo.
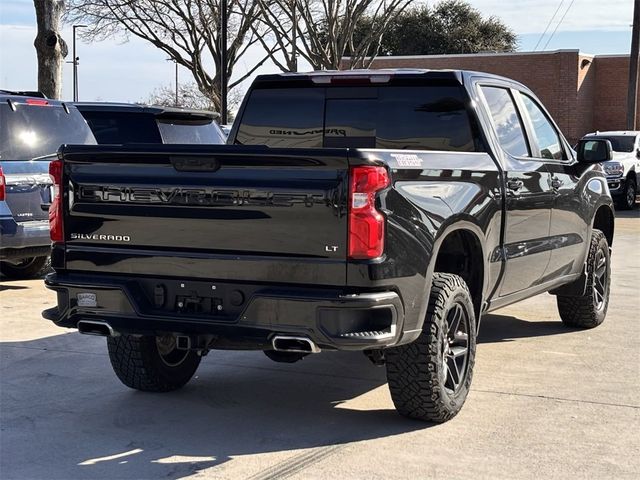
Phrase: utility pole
[632,94]
[176,103]
[76,61]
[223,61]
[294,35]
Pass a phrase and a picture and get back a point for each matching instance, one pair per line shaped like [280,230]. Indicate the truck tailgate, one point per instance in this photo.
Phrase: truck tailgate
[227,212]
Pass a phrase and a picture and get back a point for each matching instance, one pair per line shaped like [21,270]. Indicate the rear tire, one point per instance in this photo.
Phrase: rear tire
[151,364]
[628,199]
[430,378]
[590,309]
[34,267]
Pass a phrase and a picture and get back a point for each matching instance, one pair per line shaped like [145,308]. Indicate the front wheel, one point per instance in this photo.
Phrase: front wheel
[589,309]
[430,378]
[151,364]
[628,199]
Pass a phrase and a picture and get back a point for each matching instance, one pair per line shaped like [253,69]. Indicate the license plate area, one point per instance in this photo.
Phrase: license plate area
[192,299]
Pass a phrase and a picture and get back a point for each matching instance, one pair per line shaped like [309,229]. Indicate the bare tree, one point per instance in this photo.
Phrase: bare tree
[189,96]
[324,31]
[50,47]
[186,30]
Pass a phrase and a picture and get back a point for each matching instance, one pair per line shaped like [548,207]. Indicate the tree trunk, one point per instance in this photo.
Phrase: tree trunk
[50,47]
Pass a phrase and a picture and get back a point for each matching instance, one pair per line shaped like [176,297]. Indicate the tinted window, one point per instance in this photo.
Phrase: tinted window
[506,121]
[175,131]
[619,143]
[351,122]
[283,118]
[418,118]
[33,131]
[411,117]
[123,127]
[546,135]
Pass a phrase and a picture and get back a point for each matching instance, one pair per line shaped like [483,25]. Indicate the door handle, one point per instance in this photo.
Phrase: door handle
[556,183]
[514,184]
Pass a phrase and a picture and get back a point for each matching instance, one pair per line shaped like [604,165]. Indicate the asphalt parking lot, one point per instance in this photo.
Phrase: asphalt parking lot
[546,402]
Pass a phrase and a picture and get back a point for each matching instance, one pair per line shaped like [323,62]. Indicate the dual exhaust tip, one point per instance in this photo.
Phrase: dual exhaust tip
[94,327]
[280,343]
[286,343]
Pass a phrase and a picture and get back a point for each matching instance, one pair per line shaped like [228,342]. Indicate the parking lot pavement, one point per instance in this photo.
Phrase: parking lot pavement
[546,402]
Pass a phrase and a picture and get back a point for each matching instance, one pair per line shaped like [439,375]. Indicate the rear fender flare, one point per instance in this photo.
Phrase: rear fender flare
[450,226]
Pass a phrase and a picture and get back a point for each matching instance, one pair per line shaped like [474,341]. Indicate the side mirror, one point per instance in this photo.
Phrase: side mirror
[638,153]
[594,151]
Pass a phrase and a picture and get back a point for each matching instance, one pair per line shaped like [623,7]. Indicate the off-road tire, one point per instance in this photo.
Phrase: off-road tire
[586,311]
[34,267]
[138,364]
[627,201]
[416,372]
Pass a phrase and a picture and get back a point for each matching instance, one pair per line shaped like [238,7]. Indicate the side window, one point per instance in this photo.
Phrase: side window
[506,121]
[546,135]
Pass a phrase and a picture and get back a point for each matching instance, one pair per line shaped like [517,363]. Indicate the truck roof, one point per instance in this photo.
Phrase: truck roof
[319,75]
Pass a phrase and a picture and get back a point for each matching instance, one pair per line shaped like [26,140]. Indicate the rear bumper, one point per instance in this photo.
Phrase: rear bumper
[235,315]
[23,240]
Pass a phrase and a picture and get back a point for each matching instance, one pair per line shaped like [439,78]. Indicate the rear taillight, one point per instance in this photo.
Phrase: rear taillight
[366,224]
[3,186]
[55,210]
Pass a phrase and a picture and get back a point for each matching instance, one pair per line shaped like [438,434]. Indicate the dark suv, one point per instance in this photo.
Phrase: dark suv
[122,123]
[32,128]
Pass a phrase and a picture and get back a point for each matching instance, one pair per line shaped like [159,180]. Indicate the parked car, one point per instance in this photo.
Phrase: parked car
[622,170]
[123,123]
[32,128]
[382,211]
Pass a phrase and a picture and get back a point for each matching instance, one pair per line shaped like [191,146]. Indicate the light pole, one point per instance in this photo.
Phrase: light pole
[223,61]
[75,63]
[294,32]
[634,60]
[174,61]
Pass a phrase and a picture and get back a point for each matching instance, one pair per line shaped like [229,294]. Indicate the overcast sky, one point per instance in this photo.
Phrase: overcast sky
[130,71]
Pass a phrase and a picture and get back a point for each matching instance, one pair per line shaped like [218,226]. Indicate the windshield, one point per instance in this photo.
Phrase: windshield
[421,117]
[619,143]
[33,131]
[204,132]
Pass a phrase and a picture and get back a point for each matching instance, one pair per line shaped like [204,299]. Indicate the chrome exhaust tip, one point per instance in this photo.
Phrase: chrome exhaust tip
[285,343]
[93,327]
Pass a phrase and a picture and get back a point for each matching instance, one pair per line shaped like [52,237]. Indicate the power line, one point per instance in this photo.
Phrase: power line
[548,25]
[560,22]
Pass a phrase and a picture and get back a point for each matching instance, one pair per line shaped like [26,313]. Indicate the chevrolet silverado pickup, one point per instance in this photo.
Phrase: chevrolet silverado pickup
[381,211]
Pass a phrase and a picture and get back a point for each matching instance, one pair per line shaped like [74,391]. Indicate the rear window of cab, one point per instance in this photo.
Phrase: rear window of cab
[433,117]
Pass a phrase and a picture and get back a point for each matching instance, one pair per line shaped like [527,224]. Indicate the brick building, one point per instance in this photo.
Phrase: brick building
[583,92]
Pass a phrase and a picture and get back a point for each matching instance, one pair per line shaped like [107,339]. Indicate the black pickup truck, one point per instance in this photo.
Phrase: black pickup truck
[382,211]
